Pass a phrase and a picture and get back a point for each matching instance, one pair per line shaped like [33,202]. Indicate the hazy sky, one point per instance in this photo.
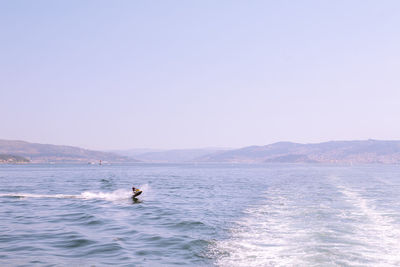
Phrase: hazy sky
[185,74]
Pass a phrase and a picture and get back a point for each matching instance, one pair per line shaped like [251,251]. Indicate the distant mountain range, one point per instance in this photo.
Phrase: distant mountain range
[42,153]
[171,156]
[348,152]
[369,151]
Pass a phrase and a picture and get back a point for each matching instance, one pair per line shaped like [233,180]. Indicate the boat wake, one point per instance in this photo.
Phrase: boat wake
[317,224]
[263,237]
[376,229]
[120,194]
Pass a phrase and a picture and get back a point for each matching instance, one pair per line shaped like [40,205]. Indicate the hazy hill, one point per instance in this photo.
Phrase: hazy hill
[369,151]
[135,152]
[40,153]
[176,155]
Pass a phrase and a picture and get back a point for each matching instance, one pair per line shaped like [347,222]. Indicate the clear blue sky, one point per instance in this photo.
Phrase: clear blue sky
[185,74]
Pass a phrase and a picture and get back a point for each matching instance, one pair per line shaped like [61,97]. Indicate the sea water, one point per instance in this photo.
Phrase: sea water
[200,215]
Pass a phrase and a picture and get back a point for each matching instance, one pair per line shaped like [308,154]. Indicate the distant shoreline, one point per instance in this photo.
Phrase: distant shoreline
[333,152]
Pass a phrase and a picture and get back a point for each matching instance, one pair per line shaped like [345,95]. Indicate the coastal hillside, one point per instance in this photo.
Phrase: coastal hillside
[11,159]
[44,153]
[368,151]
[347,152]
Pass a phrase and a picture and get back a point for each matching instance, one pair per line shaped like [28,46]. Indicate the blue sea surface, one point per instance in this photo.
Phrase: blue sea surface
[200,215]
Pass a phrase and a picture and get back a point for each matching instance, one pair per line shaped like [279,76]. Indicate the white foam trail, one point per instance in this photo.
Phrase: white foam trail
[318,225]
[27,195]
[379,232]
[119,194]
[263,237]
